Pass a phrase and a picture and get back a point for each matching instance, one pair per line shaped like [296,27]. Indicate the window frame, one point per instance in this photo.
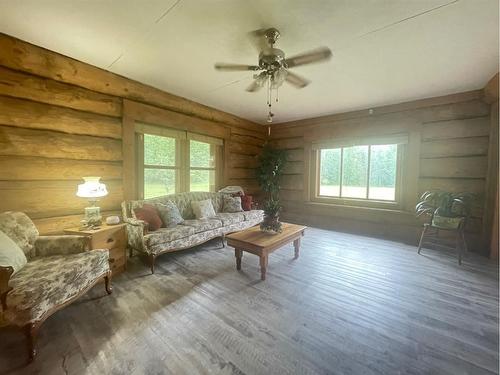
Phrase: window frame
[182,157]
[315,180]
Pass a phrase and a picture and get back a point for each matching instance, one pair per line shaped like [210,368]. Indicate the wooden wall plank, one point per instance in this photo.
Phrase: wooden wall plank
[26,86]
[294,167]
[242,161]
[245,149]
[20,55]
[250,140]
[29,114]
[464,128]
[16,168]
[289,143]
[295,155]
[28,142]
[242,173]
[466,167]
[454,185]
[292,182]
[53,198]
[455,147]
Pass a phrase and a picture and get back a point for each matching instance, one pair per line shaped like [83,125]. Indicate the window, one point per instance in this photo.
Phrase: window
[202,163]
[160,167]
[171,161]
[358,172]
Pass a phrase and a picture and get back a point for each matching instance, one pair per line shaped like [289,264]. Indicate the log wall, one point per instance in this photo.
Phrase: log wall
[449,144]
[61,119]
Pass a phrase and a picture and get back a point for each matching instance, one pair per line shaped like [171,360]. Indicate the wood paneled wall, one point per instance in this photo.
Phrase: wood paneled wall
[61,119]
[449,142]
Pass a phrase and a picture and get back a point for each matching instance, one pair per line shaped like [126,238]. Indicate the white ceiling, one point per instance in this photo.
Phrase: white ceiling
[384,52]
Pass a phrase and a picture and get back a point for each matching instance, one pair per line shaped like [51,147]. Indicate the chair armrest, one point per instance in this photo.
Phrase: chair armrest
[61,245]
[5,274]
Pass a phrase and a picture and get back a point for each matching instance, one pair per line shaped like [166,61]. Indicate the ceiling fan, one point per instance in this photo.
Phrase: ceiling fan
[274,66]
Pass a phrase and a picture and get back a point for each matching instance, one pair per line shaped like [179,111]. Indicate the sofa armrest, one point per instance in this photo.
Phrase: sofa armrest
[61,245]
[5,274]
[136,229]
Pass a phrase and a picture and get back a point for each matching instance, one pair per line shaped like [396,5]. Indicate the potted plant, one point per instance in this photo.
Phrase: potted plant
[271,164]
[447,210]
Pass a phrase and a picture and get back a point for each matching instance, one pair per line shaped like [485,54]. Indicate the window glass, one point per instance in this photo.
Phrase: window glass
[355,172]
[158,182]
[159,150]
[202,180]
[201,154]
[383,167]
[330,172]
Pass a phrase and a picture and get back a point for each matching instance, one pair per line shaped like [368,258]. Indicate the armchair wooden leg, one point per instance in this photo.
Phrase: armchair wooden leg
[223,240]
[31,332]
[152,263]
[458,245]
[130,252]
[107,283]
[421,239]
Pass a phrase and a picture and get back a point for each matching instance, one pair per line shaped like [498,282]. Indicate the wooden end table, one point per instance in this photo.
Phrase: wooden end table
[253,240]
[111,237]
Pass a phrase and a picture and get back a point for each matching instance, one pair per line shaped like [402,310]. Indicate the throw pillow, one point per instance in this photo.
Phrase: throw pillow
[246,202]
[149,214]
[231,204]
[203,209]
[169,214]
[11,254]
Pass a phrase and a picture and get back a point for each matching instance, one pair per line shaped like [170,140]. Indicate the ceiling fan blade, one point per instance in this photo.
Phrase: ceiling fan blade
[258,39]
[296,80]
[314,56]
[235,67]
[258,83]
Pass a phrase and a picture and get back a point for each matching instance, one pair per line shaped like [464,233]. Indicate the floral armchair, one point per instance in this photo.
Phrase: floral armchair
[59,270]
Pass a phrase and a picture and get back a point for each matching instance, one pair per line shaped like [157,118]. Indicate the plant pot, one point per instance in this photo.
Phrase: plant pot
[446,222]
[271,225]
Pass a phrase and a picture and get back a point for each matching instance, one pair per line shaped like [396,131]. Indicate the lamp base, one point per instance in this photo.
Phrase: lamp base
[93,216]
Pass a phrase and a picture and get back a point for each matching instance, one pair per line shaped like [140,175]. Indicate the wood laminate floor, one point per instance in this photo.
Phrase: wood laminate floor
[348,305]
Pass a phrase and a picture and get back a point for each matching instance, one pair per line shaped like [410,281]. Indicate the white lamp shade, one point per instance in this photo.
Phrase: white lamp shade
[92,188]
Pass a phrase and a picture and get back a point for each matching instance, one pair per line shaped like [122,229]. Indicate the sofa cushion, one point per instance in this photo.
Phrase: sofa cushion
[163,235]
[228,218]
[253,215]
[231,204]
[203,209]
[169,213]
[149,214]
[246,202]
[11,254]
[203,225]
[47,282]
[19,227]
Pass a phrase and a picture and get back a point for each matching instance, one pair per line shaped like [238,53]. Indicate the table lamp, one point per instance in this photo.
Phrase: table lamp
[92,189]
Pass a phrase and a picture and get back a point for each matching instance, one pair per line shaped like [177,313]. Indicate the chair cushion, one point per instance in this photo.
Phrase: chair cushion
[47,282]
[11,254]
[228,218]
[149,214]
[169,214]
[231,204]
[253,215]
[203,209]
[19,227]
[203,225]
[163,235]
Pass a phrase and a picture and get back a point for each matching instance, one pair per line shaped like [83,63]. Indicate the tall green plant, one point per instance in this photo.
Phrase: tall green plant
[271,165]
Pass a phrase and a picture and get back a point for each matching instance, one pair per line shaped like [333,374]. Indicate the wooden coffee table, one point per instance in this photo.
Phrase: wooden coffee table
[254,241]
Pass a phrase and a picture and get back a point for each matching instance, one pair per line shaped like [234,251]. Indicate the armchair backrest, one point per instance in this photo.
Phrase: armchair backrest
[19,227]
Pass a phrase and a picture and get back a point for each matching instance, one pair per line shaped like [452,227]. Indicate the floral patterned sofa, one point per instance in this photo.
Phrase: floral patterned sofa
[59,270]
[188,234]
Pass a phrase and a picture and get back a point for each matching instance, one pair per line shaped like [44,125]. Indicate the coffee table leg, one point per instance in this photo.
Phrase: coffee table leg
[296,245]
[238,253]
[263,266]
